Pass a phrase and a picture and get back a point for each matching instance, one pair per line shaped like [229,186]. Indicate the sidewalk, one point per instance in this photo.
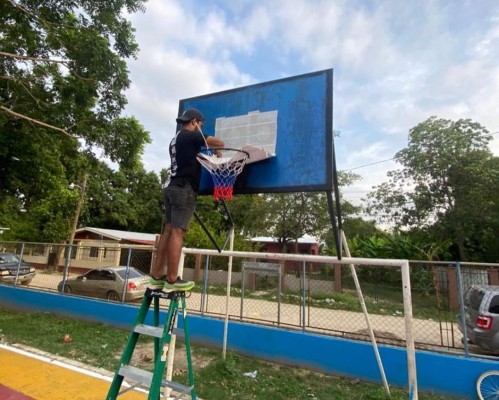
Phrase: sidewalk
[25,375]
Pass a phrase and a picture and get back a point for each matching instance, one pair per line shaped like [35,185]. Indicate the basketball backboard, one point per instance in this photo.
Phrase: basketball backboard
[285,125]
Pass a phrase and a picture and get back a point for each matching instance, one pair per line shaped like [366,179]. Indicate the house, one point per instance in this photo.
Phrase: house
[304,245]
[111,236]
[97,247]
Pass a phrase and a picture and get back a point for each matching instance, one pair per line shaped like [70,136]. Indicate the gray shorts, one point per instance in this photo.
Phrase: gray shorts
[179,205]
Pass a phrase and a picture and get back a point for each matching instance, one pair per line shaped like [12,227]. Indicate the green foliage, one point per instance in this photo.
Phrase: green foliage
[397,246]
[291,216]
[446,187]
[62,77]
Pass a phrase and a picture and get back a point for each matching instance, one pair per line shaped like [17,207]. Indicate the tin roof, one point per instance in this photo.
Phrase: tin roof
[137,237]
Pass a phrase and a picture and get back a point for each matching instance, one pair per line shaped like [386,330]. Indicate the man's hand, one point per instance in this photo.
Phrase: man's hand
[218,153]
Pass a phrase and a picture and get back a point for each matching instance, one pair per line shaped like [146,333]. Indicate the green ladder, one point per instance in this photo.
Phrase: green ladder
[162,336]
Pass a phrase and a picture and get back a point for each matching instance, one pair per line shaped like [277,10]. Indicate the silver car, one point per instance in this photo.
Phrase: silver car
[481,309]
[108,283]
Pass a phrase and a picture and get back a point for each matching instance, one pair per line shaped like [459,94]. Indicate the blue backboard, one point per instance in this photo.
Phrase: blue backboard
[301,108]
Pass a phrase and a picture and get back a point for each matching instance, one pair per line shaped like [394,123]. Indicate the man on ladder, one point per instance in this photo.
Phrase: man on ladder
[180,199]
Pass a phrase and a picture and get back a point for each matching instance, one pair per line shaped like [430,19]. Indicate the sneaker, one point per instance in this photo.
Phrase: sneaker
[179,285]
[156,283]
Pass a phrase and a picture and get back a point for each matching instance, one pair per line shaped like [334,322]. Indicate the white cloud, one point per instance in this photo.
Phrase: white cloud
[396,64]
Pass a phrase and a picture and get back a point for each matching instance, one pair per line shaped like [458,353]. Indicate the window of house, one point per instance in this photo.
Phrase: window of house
[94,252]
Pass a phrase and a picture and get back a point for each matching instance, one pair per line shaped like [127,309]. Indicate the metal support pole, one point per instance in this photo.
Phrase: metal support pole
[279,289]
[205,229]
[409,337]
[243,273]
[366,315]
[205,285]
[461,308]
[19,264]
[127,273]
[334,224]
[304,300]
[227,303]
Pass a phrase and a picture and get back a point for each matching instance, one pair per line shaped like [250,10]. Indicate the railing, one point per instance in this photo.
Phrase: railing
[313,294]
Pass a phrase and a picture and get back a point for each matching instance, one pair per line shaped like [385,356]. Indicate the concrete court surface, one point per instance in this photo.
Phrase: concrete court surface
[25,375]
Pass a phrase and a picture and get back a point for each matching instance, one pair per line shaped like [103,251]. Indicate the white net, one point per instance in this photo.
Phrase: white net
[223,170]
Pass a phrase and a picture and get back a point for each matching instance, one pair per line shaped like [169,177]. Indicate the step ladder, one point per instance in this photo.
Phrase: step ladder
[154,381]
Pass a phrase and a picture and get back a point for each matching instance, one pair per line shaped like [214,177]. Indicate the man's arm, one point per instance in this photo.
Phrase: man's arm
[215,143]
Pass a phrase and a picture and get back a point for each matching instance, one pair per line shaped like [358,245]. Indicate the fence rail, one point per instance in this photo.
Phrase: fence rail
[316,295]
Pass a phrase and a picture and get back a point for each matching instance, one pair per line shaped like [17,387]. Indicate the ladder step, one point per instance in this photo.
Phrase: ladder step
[156,331]
[144,378]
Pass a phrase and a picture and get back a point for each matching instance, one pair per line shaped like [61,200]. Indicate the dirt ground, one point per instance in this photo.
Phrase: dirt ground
[144,354]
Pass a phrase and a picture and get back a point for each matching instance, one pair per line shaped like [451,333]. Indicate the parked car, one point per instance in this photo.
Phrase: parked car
[10,264]
[108,283]
[481,309]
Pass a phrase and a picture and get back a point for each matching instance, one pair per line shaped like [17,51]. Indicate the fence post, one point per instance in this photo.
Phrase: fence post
[127,273]
[304,299]
[453,290]
[19,264]
[461,308]
[204,295]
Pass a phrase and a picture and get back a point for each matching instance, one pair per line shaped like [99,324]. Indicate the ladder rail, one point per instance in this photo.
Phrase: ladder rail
[162,339]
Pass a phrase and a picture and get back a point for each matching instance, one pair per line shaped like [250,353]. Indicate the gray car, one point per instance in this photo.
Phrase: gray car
[481,309]
[12,268]
[108,283]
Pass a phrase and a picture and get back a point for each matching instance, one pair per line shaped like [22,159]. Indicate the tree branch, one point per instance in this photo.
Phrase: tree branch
[66,63]
[37,59]
[35,121]
[19,82]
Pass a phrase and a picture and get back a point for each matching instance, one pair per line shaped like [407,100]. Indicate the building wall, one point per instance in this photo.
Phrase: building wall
[303,248]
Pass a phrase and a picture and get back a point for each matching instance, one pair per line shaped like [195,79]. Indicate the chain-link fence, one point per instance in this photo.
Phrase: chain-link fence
[112,272]
[308,296]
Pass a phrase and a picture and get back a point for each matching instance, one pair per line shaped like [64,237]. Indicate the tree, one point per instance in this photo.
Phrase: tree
[62,79]
[289,216]
[446,185]
[123,200]
[63,68]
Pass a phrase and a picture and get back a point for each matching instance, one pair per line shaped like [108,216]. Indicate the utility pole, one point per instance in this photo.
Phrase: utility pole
[83,188]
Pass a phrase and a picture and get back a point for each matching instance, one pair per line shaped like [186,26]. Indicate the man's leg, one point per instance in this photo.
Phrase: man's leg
[158,267]
[180,202]
[173,252]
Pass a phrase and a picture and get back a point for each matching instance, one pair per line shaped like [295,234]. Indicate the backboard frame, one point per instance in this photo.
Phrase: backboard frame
[304,149]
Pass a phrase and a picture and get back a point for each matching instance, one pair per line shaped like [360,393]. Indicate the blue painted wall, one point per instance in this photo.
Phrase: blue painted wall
[443,374]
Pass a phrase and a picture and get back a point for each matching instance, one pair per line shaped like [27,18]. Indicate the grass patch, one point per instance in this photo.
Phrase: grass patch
[101,346]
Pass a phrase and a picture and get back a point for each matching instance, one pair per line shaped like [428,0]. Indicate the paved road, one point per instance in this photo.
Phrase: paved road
[390,327]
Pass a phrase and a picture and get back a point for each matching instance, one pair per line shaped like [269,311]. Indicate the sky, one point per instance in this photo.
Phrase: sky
[396,63]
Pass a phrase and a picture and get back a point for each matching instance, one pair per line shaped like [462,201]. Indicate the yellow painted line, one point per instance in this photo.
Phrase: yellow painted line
[47,379]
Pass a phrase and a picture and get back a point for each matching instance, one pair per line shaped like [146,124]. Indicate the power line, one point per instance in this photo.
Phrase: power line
[367,165]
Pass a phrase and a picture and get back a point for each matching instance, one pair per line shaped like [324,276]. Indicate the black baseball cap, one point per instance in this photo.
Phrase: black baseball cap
[190,114]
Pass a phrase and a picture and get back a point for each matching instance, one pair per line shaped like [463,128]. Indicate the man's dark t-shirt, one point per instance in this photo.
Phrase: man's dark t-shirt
[183,150]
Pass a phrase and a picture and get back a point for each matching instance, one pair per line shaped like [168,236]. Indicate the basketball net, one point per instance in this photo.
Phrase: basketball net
[223,170]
